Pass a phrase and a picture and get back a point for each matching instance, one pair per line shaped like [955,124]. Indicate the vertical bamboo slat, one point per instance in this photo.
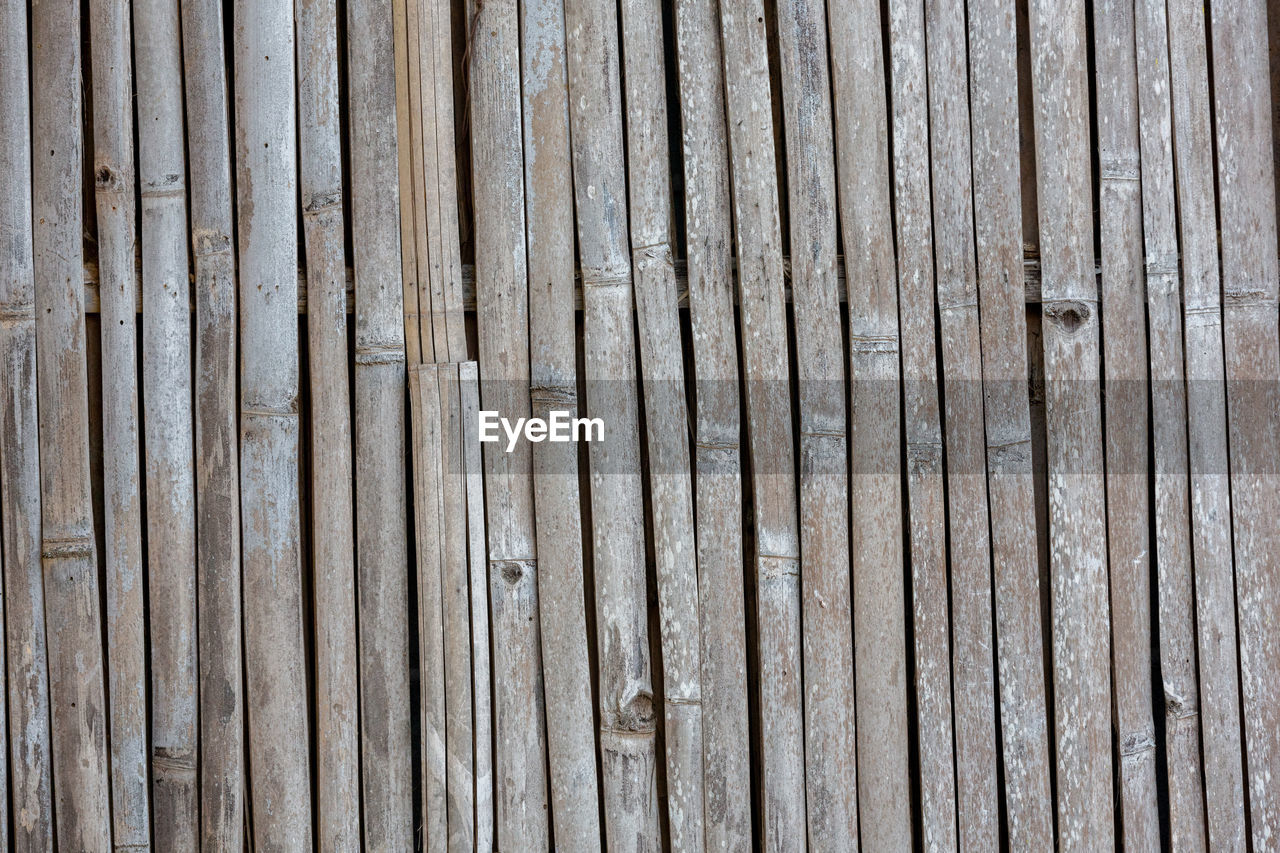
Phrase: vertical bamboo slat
[766,368]
[974,689]
[222,758]
[497,171]
[405,162]
[1164,292]
[831,779]
[169,436]
[626,699]
[997,201]
[337,698]
[1125,399]
[267,162]
[114,192]
[382,558]
[923,428]
[1077,500]
[1247,217]
[880,654]
[566,666]
[69,552]
[26,665]
[717,454]
[1206,430]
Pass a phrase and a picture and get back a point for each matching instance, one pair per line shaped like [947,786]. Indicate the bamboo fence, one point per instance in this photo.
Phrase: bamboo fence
[921,366]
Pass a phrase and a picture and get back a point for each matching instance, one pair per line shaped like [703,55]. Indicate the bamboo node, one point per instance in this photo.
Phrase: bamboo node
[550,395]
[69,547]
[17,311]
[392,353]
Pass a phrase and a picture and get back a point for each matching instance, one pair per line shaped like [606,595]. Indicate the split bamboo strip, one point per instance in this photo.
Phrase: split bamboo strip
[880,655]
[626,712]
[977,788]
[1206,430]
[405,160]
[566,665]
[997,200]
[418,163]
[831,779]
[926,497]
[114,191]
[766,367]
[1247,217]
[497,174]
[665,418]
[267,163]
[168,420]
[477,562]
[332,537]
[1164,288]
[222,758]
[717,455]
[382,557]
[1077,498]
[1127,452]
[27,709]
[70,558]
[424,397]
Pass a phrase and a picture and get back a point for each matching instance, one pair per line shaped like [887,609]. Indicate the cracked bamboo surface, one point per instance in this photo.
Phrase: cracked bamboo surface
[935,500]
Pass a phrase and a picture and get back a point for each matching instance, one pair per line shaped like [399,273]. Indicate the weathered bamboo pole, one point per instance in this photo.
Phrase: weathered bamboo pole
[167,404]
[566,666]
[1164,291]
[717,455]
[627,730]
[222,759]
[77,704]
[115,194]
[332,537]
[666,417]
[405,159]
[1124,342]
[1206,432]
[419,162]
[880,654]
[927,507]
[27,708]
[976,778]
[497,171]
[1077,496]
[997,198]
[382,557]
[1247,217]
[267,161]
[766,367]
[831,779]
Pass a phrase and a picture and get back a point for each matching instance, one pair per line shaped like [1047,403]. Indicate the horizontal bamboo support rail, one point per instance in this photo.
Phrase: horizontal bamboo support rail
[1031,268]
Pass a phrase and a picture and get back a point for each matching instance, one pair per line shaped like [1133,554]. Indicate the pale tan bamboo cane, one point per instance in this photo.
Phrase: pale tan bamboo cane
[381,522]
[1206,431]
[404,150]
[167,404]
[717,455]
[566,666]
[115,193]
[927,510]
[332,537]
[769,425]
[1124,342]
[222,760]
[1077,496]
[973,666]
[879,632]
[77,703]
[666,418]
[627,730]
[831,779]
[266,159]
[27,709]
[1176,591]
[997,201]
[1247,217]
